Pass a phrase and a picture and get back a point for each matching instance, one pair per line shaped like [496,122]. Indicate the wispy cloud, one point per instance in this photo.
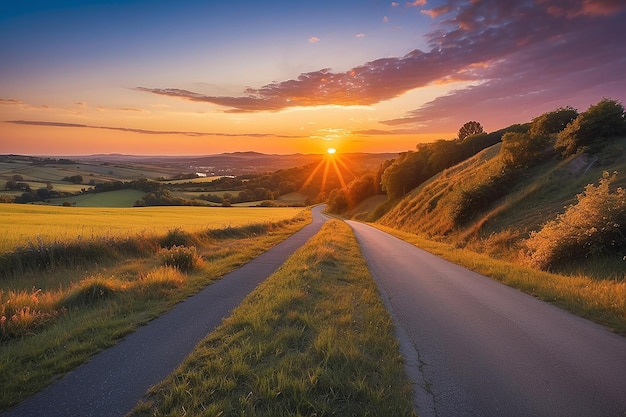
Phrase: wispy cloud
[437,11]
[314,39]
[21,104]
[510,52]
[78,107]
[384,132]
[10,101]
[148,132]
[416,3]
[359,35]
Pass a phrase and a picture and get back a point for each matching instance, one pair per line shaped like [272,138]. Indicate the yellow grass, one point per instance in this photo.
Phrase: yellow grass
[21,224]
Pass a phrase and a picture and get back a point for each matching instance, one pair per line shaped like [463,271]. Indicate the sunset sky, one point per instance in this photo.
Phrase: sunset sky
[165,77]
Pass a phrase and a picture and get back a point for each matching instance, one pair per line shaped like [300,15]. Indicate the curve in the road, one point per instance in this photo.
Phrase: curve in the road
[112,382]
[478,348]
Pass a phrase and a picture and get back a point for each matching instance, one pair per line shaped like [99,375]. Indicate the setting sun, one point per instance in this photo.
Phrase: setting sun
[331,151]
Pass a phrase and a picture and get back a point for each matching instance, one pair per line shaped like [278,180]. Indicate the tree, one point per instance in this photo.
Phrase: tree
[360,189]
[592,128]
[337,201]
[43,193]
[408,171]
[470,128]
[553,122]
[76,179]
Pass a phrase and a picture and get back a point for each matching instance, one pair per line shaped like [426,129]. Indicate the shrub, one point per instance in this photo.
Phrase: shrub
[90,291]
[183,258]
[595,225]
[175,237]
[161,280]
[480,196]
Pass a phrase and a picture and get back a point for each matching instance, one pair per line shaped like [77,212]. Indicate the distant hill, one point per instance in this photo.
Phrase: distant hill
[230,178]
[236,163]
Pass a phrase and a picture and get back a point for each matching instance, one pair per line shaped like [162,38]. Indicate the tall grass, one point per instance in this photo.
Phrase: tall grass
[47,332]
[22,312]
[183,258]
[313,340]
[46,256]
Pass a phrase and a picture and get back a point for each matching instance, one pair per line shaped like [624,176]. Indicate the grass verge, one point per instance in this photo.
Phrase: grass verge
[54,331]
[314,339]
[602,301]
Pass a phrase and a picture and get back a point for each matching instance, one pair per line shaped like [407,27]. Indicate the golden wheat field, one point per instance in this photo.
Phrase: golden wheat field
[24,224]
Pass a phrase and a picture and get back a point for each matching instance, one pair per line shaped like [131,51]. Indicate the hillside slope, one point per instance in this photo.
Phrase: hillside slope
[511,209]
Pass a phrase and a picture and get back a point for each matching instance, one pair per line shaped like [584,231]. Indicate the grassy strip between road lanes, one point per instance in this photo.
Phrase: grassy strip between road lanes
[98,310]
[602,301]
[313,340]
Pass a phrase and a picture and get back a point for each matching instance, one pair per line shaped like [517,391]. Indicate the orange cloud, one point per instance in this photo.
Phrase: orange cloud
[593,8]
[601,7]
[437,11]
[416,3]
[314,39]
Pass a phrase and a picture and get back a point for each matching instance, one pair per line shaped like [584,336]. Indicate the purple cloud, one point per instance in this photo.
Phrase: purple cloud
[520,53]
[565,59]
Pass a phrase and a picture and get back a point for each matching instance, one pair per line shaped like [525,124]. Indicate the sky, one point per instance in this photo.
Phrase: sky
[192,77]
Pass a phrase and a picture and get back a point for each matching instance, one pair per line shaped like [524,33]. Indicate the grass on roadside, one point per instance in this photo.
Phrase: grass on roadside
[602,301]
[313,339]
[48,332]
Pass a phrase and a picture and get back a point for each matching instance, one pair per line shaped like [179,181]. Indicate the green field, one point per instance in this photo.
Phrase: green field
[29,223]
[119,198]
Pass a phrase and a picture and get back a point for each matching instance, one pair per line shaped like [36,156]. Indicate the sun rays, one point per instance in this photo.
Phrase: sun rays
[330,160]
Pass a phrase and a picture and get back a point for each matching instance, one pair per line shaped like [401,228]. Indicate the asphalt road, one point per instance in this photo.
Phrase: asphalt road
[475,347]
[112,382]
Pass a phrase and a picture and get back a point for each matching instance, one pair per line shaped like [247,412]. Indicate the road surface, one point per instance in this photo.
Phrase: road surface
[475,347]
[112,382]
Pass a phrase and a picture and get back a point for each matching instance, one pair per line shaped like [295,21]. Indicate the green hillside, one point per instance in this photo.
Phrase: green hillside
[494,201]
[537,195]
